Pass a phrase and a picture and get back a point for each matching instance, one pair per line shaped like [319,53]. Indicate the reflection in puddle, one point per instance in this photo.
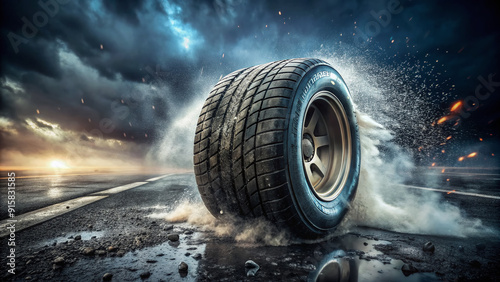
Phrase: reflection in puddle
[335,267]
[348,258]
[55,191]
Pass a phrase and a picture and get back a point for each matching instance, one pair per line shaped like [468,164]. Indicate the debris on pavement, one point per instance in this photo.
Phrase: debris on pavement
[173,237]
[145,275]
[429,247]
[107,277]
[251,268]
[408,269]
[183,267]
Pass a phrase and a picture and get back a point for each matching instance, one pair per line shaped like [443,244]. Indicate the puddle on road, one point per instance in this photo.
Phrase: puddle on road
[347,258]
[161,261]
[85,235]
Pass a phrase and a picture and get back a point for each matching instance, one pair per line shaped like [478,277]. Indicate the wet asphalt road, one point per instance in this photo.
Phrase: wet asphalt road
[125,234]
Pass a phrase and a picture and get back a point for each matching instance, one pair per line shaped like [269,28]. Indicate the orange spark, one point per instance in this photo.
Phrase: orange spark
[449,192]
[222,55]
[442,171]
[481,139]
[433,164]
[448,138]
[279,13]
[37,111]
[461,159]
[456,106]
[442,151]
[83,102]
[441,120]
[447,179]
[471,155]
[102,47]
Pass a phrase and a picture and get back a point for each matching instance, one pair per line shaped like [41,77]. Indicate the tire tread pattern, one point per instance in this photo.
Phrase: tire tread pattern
[239,159]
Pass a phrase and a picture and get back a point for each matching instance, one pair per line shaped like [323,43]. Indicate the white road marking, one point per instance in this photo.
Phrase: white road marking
[120,188]
[29,219]
[32,218]
[157,178]
[450,191]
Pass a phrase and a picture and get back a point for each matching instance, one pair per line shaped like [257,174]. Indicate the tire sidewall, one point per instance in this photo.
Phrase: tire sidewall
[320,216]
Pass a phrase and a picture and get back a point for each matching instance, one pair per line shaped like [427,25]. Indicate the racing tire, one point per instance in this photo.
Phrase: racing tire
[280,141]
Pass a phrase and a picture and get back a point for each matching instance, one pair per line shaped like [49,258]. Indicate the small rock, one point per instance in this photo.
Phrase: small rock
[408,269]
[120,253]
[428,247]
[197,256]
[192,249]
[145,274]
[88,251]
[100,252]
[112,249]
[67,207]
[90,226]
[461,249]
[366,244]
[173,237]
[93,237]
[188,232]
[151,261]
[183,267]
[480,247]
[78,237]
[58,261]
[187,254]
[168,227]
[251,268]
[55,243]
[107,277]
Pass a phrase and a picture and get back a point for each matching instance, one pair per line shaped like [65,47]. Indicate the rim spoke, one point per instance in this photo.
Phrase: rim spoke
[313,121]
[321,141]
[319,166]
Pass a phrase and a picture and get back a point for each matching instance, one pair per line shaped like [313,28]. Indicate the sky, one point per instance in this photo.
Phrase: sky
[115,83]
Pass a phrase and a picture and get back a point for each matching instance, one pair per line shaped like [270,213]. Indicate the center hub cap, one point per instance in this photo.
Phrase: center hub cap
[308,147]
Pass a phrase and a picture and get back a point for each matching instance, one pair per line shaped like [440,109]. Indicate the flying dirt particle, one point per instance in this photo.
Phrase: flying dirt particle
[471,155]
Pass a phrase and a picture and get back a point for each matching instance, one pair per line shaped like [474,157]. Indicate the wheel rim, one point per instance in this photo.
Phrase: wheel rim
[326,145]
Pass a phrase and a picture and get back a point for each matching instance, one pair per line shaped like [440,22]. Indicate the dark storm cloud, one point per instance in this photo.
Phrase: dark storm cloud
[172,44]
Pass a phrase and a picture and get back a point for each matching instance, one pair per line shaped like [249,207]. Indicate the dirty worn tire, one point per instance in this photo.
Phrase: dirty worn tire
[279,140]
